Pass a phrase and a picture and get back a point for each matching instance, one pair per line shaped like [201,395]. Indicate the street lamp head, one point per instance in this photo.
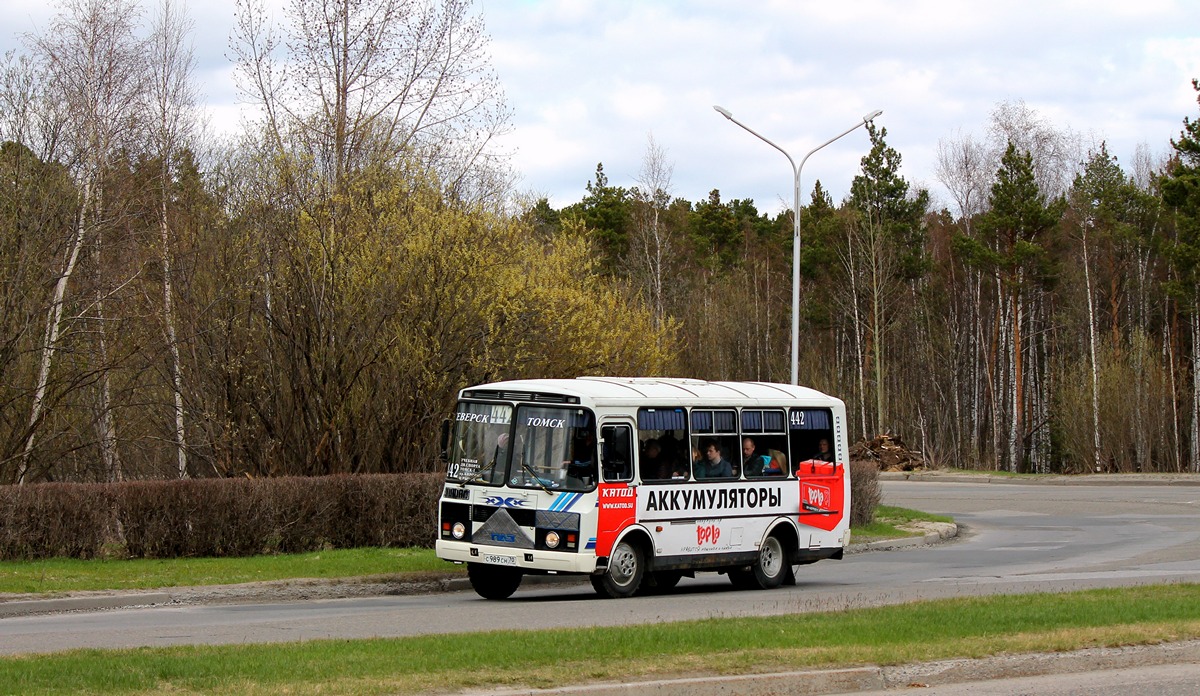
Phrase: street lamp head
[871,116]
[723,111]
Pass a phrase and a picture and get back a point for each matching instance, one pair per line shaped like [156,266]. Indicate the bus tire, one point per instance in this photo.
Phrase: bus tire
[743,579]
[772,565]
[493,582]
[659,581]
[626,566]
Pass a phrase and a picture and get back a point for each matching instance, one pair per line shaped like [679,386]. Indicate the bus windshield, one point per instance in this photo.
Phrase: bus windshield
[543,447]
[479,449]
[555,448]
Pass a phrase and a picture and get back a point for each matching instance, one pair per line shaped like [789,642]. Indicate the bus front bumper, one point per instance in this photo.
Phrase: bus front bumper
[530,561]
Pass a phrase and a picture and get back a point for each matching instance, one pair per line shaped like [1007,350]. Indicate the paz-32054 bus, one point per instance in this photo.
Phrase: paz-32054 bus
[637,482]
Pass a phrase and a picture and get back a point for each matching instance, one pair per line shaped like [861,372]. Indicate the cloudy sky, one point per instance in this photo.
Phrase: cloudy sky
[591,81]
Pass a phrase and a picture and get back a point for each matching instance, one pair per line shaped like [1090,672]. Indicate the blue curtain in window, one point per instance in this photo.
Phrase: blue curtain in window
[702,421]
[773,421]
[752,421]
[651,419]
[726,421]
[809,419]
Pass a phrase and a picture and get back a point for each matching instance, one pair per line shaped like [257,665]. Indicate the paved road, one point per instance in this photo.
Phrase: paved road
[1016,538]
[1156,680]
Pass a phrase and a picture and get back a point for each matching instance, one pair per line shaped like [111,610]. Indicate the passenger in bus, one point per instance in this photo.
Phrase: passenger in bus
[583,452]
[712,465]
[776,463]
[753,463]
[654,464]
[824,453]
[501,451]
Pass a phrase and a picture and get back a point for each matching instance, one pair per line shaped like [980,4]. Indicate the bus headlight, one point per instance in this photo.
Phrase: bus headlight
[459,530]
[552,540]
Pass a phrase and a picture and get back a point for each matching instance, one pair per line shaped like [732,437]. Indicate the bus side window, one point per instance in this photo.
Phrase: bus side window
[618,453]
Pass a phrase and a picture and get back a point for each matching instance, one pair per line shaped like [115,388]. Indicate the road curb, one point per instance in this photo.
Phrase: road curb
[943,531]
[88,603]
[811,683]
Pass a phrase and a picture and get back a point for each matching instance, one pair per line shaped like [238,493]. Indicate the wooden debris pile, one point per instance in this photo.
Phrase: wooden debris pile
[888,452]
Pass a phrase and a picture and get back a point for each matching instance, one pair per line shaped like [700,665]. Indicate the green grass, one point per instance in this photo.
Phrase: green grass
[72,575]
[971,627]
[889,522]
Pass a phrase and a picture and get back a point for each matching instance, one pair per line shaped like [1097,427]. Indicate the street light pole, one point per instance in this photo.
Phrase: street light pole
[796,221]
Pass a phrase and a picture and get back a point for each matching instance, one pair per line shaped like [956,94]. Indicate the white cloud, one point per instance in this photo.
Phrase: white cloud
[588,80]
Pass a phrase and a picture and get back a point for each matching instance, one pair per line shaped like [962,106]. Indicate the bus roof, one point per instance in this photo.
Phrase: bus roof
[625,390]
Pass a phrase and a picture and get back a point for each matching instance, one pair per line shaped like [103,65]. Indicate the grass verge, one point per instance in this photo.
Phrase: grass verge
[971,627]
[60,575]
[893,523]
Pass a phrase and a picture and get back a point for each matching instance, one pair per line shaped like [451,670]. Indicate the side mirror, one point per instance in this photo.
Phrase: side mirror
[442,453]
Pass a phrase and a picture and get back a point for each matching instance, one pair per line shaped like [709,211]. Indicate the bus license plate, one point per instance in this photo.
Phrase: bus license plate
[500,560]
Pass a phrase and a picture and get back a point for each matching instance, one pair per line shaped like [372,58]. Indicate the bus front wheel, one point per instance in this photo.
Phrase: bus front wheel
[626,566]
[493,582]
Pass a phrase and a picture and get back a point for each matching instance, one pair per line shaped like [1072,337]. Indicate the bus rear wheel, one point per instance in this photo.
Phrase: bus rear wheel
[772,566]
[493,582]
[768,572]
[626,566]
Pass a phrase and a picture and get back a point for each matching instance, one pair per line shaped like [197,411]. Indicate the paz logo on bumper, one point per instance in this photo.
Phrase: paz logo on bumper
[501,501]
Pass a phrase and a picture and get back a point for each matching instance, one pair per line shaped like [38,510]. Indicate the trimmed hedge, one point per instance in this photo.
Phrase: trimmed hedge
[247,517]
[218,517]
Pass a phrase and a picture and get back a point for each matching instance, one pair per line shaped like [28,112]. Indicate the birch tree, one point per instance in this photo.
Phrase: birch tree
[95,70]
[173,99]
[652,249]
[352,83]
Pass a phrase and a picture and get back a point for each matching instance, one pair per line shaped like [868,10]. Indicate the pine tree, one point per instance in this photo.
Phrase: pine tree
[881,194]
[1016,226]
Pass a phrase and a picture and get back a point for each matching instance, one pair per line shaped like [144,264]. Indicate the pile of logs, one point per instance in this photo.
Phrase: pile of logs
[888,452]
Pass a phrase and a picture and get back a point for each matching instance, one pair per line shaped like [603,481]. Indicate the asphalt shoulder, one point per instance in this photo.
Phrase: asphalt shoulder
[1129,479]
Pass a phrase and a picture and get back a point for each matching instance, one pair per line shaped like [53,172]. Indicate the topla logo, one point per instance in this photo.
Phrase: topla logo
[500,501]
[816,496]
[707,534]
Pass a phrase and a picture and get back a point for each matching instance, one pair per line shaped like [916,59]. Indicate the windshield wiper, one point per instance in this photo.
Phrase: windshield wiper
[540,481]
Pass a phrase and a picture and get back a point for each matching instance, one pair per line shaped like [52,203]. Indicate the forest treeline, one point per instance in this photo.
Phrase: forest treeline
[306,298]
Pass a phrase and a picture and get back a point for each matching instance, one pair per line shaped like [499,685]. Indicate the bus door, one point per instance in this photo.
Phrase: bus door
[617,495]
[820,475]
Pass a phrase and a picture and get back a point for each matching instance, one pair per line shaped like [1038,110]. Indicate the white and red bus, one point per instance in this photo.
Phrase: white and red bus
[637,482]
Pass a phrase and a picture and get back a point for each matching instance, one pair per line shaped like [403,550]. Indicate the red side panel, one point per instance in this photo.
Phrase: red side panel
[618,510]
[822,494]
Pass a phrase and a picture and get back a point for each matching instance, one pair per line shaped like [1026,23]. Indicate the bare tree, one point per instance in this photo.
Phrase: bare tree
[651,245]
[966,167]
[1057,153]
[173,99]
[358,82]
[95,69]
[869,300]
